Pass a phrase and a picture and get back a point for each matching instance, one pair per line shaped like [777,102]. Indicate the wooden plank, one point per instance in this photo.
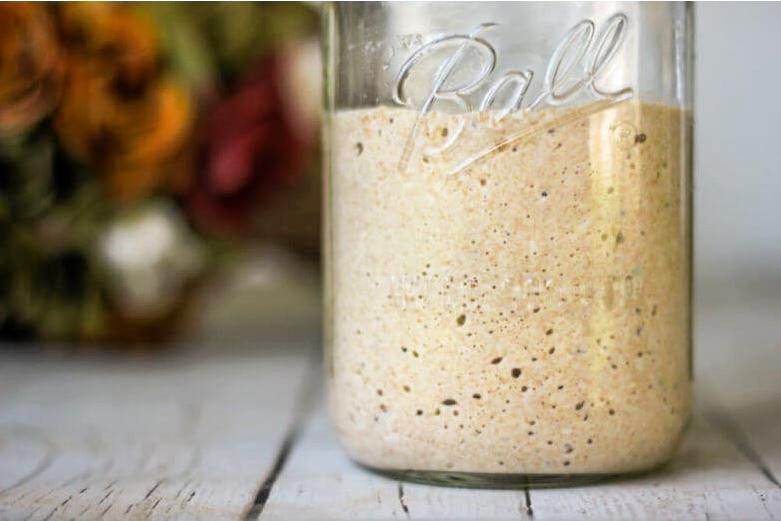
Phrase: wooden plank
[430,502]
[168,438]
[741,377]
[318,483]
[709,479]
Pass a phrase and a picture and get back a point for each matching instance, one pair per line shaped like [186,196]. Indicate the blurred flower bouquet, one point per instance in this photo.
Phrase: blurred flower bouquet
[137,143]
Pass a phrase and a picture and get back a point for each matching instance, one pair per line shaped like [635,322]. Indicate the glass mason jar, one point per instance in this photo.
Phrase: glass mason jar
[508,237]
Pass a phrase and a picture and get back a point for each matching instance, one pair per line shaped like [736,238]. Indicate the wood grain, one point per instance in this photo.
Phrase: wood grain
[740,377]
[709,479]
[174,438]
[320,483]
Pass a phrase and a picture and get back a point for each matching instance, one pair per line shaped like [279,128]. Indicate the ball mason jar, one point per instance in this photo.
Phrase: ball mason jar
[508,237]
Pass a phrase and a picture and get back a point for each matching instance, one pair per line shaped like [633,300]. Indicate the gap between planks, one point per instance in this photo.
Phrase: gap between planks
[304,406]
[722,421]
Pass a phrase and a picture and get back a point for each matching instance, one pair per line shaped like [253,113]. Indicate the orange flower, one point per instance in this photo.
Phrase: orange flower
[117,114]
[123,42]
[131,137]
[30,66]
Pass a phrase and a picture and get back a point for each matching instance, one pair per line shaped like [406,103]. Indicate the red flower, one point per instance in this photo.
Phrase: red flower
[249,148]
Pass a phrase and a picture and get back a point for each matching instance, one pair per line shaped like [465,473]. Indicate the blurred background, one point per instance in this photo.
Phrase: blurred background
[737,158]
[159,167]
[155,159]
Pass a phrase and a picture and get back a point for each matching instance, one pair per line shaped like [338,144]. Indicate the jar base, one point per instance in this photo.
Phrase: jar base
[493,480]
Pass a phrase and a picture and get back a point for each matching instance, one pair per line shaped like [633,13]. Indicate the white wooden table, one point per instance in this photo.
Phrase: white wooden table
[236,430]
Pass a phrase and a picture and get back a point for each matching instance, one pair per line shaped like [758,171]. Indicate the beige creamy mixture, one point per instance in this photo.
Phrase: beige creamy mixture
[526,314]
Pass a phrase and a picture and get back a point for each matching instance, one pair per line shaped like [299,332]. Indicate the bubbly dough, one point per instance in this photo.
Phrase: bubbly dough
[526,314]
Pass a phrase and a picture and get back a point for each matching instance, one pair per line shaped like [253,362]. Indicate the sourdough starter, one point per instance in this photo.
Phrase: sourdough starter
[527,313]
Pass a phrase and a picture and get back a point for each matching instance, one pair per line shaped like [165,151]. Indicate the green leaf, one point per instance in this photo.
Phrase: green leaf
[190,57]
